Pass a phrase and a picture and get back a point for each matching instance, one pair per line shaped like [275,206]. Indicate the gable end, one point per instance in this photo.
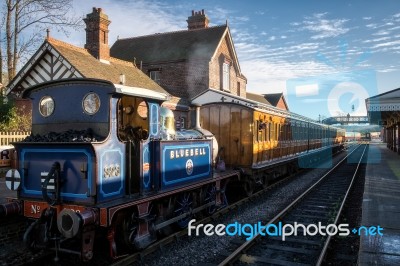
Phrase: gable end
[47,64]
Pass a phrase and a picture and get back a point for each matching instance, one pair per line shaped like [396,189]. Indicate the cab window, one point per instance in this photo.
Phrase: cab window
[133,122]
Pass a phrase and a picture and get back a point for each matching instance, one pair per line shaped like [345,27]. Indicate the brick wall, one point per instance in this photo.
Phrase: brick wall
[281,104]
[183,79]
[24,106]
[216,71]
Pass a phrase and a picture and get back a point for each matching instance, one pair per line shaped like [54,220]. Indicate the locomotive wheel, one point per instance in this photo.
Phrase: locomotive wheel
[31,236]
[248,187]
[164,213]
[183,204]
[265,181]
[210,194]
[130,230]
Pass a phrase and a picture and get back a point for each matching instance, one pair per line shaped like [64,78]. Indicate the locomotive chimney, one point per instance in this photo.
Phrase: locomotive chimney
[198,20]
[97,34]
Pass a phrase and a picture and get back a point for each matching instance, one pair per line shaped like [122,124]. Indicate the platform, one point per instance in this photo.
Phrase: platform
[381,206]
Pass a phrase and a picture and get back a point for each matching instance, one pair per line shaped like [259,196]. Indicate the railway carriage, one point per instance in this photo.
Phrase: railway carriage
[264,142]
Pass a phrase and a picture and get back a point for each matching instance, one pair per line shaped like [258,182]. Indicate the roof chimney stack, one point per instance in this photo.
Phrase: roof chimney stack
[198,20]
[97,34]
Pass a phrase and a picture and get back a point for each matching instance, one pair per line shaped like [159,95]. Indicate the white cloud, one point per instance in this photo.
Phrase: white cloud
[397,42]
[242,18]
[372,26]
[143,19]
[381,33]
[322,27]
[272,38]
[377,40]
[220,15]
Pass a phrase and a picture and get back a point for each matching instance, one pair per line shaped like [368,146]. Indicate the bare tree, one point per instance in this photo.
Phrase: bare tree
[25,24]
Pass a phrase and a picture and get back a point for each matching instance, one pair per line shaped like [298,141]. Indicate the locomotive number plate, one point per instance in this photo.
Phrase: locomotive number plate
[34,209]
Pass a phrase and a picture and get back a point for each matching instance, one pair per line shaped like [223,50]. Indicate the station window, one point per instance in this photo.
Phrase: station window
[225,76]
[155,75]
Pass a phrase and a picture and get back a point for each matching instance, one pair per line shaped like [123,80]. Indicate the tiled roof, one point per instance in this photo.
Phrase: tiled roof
[257,97]
[170,46]
[273,98]
[90,67]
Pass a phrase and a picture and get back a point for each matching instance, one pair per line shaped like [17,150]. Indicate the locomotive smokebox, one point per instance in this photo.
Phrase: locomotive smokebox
[70,223]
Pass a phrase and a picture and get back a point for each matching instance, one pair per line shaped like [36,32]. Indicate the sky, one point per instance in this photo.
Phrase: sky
[325,56]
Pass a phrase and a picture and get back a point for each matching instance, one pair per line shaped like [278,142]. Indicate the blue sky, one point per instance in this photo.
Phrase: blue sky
[284,44]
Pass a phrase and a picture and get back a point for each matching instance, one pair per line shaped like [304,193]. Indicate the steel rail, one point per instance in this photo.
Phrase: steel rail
[232,257]
[327,242]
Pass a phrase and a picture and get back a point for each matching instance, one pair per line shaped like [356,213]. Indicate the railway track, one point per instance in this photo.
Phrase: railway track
[322,203]
[138,257]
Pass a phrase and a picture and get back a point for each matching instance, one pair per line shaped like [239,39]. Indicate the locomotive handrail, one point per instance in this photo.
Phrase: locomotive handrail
[53,173]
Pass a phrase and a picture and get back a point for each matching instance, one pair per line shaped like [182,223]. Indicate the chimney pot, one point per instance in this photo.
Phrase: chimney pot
[198,20]
[97,34]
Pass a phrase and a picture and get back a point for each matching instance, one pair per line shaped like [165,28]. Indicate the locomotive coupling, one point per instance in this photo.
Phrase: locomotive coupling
[70,223]
[10,208]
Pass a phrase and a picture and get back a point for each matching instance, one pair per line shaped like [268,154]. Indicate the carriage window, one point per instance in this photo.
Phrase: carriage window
[272,131]
[261,128]
[91,103]
[46,106]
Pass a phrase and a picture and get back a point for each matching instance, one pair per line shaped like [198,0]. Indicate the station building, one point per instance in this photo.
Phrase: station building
[384,109]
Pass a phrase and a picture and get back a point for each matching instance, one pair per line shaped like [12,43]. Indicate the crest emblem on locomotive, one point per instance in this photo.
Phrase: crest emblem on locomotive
[189,167]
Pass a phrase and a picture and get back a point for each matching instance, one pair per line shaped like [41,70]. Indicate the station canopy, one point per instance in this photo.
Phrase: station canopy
[384,109]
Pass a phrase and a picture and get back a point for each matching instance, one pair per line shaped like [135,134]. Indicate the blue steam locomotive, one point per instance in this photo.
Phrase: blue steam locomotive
[104,155]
